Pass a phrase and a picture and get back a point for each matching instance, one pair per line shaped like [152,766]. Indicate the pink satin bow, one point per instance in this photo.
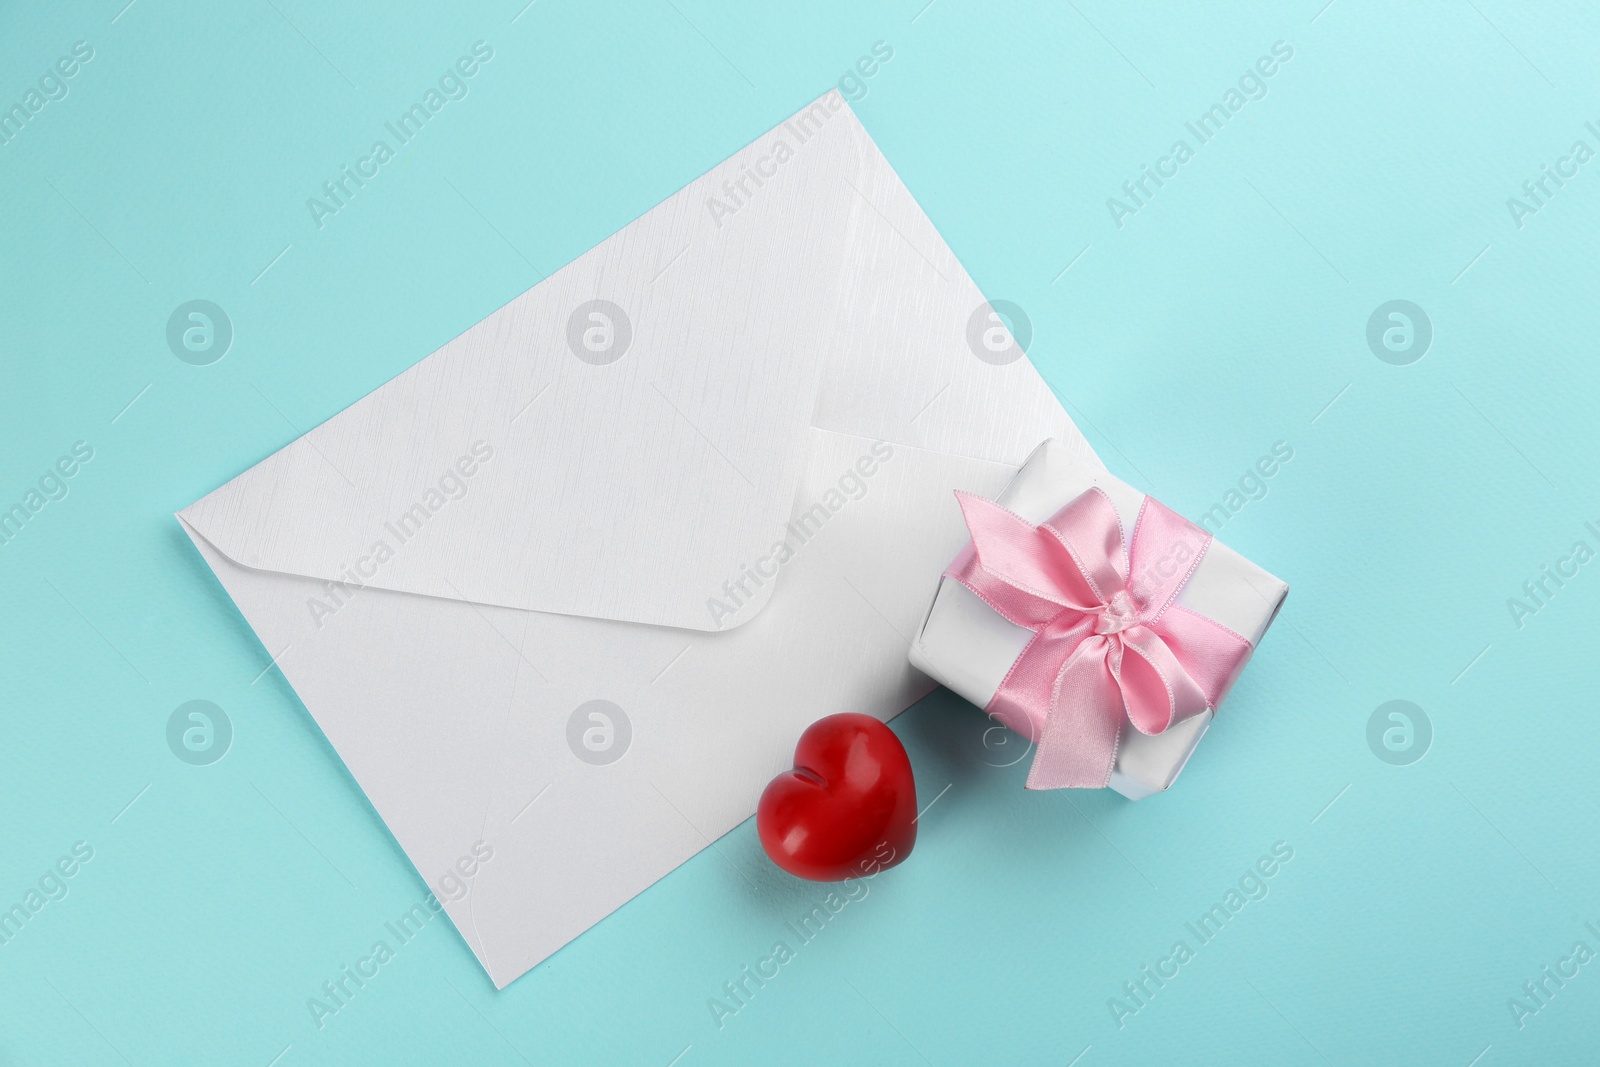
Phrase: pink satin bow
[1109,644]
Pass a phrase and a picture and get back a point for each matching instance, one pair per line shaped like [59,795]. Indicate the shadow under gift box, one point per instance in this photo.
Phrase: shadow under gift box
[967,646]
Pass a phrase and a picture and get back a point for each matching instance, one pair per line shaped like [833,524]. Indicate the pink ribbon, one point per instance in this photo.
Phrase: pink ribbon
[1108,642]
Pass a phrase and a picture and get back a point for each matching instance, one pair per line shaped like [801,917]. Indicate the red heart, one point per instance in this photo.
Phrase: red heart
[849,806]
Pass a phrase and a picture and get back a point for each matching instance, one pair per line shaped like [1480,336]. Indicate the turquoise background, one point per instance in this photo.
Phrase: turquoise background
[1227,314]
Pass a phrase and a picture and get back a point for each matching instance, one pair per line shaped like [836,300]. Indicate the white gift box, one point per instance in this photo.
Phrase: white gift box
[967,646]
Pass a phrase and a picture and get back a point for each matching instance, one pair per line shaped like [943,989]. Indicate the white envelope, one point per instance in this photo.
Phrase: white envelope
[532,589]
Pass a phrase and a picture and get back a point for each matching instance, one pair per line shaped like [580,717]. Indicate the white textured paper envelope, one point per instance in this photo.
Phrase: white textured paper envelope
[539,663]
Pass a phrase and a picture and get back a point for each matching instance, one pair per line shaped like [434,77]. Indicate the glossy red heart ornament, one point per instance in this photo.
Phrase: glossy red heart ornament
[849,806]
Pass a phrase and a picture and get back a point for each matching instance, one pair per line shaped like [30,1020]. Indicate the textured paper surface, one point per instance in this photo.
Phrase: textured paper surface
[816,332]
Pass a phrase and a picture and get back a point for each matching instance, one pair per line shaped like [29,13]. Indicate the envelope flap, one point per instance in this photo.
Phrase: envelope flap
[620,441]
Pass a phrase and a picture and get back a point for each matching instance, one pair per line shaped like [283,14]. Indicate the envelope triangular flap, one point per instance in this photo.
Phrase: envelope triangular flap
[616,442]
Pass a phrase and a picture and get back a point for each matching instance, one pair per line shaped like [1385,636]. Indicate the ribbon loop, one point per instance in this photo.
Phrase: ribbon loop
[1106,650]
